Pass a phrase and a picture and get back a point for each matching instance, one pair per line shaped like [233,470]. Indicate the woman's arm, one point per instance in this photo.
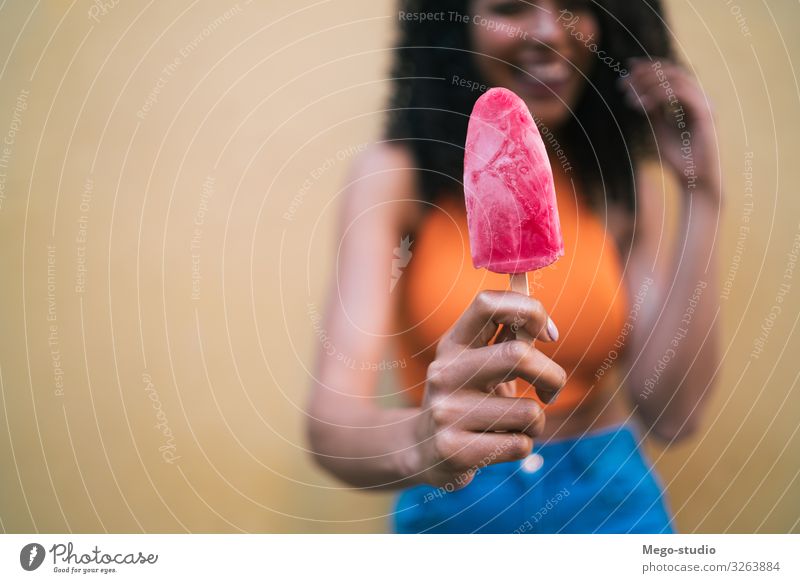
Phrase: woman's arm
[466,420]
[673,354]
[349,434]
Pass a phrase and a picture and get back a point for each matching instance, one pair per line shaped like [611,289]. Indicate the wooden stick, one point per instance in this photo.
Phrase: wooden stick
[519,284]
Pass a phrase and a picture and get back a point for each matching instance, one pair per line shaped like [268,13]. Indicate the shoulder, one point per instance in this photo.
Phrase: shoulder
[653,223]
[642,228]
[653,195]
[383,156]
[384,174]
[650,174]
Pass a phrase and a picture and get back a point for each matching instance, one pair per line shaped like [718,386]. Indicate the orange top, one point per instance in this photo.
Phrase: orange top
[583,293]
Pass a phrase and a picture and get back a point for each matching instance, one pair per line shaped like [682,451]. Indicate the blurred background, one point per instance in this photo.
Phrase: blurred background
[169,185]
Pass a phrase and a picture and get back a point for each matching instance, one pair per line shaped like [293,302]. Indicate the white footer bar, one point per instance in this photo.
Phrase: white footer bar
[416,559]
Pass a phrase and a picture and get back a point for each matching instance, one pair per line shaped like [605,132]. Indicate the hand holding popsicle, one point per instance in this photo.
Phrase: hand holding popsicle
[513,228]
[465,423]
[509,191]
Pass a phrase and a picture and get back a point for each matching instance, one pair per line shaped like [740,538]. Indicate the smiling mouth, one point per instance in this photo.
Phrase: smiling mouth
[543,78]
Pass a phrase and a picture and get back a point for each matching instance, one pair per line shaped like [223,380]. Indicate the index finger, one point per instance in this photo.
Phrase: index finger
[479,322]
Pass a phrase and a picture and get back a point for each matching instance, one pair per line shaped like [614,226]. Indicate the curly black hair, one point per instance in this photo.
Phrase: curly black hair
[604,138]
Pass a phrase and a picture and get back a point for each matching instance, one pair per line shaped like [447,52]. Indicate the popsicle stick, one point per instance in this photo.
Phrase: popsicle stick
[519,284]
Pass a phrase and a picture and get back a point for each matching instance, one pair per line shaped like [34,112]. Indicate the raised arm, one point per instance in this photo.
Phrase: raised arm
[674,353]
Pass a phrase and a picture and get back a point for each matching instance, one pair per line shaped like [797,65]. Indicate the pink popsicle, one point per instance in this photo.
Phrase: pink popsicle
[508,186]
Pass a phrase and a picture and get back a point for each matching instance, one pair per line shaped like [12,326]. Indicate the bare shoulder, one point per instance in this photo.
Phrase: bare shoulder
[647,224]
[383,156]
[384,174]
[649,169]
[654,221]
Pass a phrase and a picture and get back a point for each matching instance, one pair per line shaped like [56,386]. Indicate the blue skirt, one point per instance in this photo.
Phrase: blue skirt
[597,483]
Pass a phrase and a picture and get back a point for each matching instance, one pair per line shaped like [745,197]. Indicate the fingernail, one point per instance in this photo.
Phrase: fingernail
[552,331]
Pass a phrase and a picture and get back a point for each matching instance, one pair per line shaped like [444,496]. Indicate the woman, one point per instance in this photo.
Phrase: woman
[625,324]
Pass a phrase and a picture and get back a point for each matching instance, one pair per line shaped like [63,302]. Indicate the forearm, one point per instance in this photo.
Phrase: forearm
[363,445]
[674,370]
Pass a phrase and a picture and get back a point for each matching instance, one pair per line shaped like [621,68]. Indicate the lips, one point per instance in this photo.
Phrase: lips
[543,78]
[548,72]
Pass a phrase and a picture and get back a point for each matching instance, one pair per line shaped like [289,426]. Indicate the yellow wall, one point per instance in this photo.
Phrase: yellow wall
[257,112]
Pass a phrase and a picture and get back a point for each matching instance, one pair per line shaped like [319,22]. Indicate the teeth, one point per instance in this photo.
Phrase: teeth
[548,72]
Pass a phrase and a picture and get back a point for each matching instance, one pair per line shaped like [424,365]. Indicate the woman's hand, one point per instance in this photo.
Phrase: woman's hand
[682,120]
[466,422]
[683,127]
